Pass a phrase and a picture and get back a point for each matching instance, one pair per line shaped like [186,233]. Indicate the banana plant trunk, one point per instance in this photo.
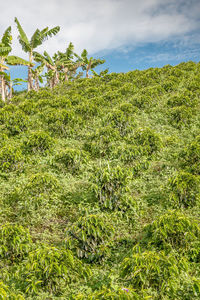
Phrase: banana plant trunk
[11,90]
[37,85]
[3,92]
[30,75]
[66,74]
[55,78]
[88,68]
[2,82]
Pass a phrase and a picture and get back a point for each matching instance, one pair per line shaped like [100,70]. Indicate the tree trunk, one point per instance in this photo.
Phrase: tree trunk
[2,82]
[6,91]
[51,83]
[37,85]
[66,74]
[11,90]
[88,68]
[56,77]
[30,75]
[3,92]
[87,73]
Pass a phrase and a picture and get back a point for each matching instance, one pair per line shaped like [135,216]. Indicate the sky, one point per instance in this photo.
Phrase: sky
[128,34]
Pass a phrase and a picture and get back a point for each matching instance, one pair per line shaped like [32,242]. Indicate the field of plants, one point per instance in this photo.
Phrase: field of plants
[100,188]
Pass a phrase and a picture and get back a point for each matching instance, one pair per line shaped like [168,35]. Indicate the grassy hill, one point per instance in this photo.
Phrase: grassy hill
[100,188]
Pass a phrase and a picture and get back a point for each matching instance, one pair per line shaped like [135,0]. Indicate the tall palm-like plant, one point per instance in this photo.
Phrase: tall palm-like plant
[66,63]
[88,63]
[38,37]
[51,64]
[5,48]
[6,59]
[10,83]
[37,76]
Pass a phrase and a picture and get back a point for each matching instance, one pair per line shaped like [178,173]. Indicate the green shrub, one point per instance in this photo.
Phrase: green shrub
[142,101]
[180,115]
[170,84]
[49,269]
[41,183]
[110,184]
[119,120]
[99,143]
[148,139]
[87,109]
[53,101]
[11,158]
[38,142]
[13,121]
[15,242]
[184,190]
[35,200]
[173,230]
[41,94]
[182,99]
[193,84]
[154,91]
[128,153]
[132,155]
[71,158]
[28,106]
[154,270]
[53,115]
[190,156]
[127,108]
[90,237]
[57,119]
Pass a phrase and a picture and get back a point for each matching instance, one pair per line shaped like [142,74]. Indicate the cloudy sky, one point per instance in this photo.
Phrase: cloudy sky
[129,34]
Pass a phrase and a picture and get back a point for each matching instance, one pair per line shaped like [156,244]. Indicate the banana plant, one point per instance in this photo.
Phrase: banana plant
[10,83]
[88,63]
[38,37]
[66,62]
[36,73]
[6,59]
[51,63]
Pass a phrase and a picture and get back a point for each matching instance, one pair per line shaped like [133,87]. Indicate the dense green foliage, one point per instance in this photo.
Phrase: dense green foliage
[100,188]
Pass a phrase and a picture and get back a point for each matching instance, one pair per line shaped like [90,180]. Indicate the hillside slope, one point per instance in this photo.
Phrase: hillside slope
[100,188]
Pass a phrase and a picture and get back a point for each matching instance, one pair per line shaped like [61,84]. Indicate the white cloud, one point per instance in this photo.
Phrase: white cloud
[99,25]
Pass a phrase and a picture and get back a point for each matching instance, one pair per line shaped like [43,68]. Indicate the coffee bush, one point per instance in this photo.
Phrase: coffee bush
[185,98]
[180,115]
[110,184]
[48,268]
[15,242]
[71,158]
[11,158]
[37,142]
[149,269]
[184,190]
[173,231]
[149,140]
[14,122]
[91,236]
[190,156]
[41,183]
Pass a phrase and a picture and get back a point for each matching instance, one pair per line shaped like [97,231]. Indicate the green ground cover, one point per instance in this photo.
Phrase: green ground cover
[100,188]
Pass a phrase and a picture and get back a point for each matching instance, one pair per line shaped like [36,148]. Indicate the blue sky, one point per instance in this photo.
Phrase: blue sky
[127,33]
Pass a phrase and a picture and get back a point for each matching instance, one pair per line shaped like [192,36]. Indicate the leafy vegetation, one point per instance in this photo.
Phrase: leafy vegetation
[61,67]
[100,185]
